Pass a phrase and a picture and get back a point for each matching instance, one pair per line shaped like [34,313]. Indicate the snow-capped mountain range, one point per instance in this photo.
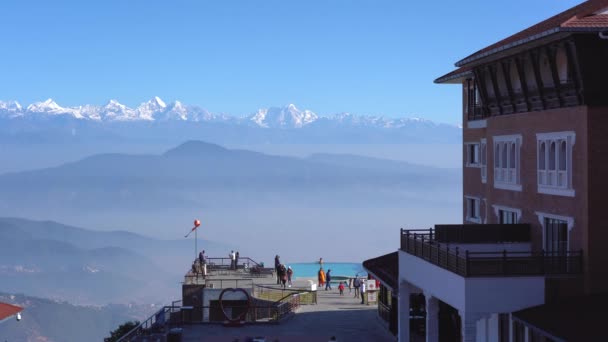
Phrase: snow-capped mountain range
[156,110]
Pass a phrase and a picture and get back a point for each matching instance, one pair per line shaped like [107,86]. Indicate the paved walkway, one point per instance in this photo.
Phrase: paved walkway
[341,316]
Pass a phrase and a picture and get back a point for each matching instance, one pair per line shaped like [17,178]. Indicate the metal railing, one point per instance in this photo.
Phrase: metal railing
[420,243]
[168,317]
[279,294]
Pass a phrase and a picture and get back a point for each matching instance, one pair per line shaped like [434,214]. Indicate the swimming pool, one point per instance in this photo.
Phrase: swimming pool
[310,269]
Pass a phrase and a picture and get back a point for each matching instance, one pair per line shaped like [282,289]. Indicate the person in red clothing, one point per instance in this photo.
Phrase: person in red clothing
[341,288]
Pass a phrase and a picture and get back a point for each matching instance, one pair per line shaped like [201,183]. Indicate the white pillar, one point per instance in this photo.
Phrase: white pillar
[432,318]
[404,312]
[469,326]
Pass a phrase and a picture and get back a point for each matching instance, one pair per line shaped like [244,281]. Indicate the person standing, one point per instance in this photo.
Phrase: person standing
[277,263]
[289,275]
[320,262]
[363,292]
[236,260]
[350,285]
[232,257]
[357,285]
[201,257]
[341,288]
[283,275]
[328,280]
[321,276]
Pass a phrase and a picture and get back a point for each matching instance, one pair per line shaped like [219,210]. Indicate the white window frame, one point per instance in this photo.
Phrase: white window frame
[469,162]
[555,182]
[507,177]
[483,160]
[477,209]
[498,208]
[568,219]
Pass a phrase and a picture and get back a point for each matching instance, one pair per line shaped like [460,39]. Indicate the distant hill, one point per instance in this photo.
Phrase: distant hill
[197,174]
[58,261]
[56,321]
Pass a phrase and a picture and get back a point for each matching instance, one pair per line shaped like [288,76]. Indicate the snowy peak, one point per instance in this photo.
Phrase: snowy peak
[11,106]
[115,110]
[146,110]
[51,107]
[47,106]
[287,117]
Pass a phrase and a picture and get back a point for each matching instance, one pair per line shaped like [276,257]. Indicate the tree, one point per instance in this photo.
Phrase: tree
[122,330]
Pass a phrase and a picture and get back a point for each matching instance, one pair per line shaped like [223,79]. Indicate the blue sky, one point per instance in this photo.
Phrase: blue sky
[329,56]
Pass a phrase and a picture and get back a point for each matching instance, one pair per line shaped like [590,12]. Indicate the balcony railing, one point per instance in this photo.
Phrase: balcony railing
[421,243]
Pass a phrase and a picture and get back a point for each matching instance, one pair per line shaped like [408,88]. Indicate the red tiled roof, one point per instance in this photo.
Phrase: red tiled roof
[8,310]
[594,21]
[580,16]
[385,267]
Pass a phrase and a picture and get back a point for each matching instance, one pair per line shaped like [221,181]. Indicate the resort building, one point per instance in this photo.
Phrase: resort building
[535,124]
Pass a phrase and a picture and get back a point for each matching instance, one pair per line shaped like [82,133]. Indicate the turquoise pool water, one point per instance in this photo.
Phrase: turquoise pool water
[337,269]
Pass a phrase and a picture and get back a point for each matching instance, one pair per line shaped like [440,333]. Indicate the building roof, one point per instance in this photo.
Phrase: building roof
[581,318]
[385,268]
[8,310]
[590,16]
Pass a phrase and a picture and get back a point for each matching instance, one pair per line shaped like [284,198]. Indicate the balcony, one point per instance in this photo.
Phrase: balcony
[475,251]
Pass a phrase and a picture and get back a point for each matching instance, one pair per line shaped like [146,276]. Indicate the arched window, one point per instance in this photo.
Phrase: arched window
[542,156]
[561,60]
[562,155]
[514,76]
[552,156]
[545,70]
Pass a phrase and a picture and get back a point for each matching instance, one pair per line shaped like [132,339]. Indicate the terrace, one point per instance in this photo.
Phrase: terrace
[487,250]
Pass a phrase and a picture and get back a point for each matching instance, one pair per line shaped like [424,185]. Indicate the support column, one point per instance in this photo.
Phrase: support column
[468,323]
[432,318]
[404,312]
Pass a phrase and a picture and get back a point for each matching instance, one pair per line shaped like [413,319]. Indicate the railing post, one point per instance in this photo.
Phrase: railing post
[438,248]
[457,257]
[415,244]
[542,261]
[504,261]
[422,245]
[431,233]
[447,257]
[466,263]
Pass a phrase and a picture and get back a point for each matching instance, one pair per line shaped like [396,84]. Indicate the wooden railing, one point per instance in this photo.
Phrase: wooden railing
[480,233]
[481,264]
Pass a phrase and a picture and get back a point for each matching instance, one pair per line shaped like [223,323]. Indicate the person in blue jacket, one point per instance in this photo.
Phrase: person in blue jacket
[328,280]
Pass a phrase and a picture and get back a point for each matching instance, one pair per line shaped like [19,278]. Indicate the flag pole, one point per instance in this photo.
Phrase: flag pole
[195,242]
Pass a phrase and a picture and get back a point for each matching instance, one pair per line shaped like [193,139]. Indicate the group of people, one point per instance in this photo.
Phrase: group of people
[234,259]
[324,278]
[284,274]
